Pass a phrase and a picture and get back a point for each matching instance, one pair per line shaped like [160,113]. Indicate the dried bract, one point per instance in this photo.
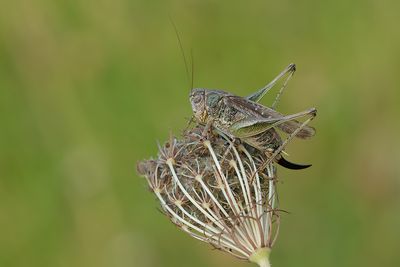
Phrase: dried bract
[213,189]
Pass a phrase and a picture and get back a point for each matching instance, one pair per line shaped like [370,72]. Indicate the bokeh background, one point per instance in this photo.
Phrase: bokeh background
[88,87]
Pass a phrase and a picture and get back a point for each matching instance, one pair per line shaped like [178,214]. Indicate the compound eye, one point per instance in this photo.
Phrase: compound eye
[197,99]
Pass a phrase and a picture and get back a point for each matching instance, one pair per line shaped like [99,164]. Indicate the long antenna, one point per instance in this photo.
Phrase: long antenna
[192,61]
[183,53]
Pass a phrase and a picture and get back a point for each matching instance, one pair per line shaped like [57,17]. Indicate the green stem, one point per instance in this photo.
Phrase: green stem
[261,257]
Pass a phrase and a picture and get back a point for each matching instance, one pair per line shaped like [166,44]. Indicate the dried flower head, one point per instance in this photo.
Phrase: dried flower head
[212,188]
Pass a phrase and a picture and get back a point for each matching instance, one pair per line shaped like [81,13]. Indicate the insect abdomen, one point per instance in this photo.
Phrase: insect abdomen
[269,139]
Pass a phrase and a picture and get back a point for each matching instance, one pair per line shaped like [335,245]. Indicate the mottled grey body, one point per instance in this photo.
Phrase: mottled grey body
[245,119]
[226,110]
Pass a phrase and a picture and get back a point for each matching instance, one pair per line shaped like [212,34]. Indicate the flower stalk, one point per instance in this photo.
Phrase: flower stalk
[261,257]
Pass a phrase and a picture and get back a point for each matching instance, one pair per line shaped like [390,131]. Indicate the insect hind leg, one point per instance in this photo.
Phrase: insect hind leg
[257,96]
[287,140]
[292,69]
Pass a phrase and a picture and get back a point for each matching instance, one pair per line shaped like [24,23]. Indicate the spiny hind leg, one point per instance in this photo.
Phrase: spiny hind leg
[257,96]
[287,140]
[279,94]
[252,126]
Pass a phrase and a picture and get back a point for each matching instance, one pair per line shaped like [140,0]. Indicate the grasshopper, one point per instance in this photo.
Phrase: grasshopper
[245,119]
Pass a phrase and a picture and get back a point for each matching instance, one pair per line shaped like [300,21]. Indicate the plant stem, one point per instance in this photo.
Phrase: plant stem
[261,257]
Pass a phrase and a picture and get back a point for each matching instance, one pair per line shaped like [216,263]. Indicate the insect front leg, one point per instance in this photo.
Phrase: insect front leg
[190,121]
[206,130]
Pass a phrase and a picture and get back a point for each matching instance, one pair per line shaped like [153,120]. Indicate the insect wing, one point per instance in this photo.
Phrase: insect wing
[257,111]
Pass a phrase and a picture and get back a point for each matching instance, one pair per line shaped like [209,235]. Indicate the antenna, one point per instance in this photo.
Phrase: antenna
[192,61]
[183,54]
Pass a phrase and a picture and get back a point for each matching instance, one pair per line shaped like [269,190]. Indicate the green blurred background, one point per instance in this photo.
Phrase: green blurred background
[88,87]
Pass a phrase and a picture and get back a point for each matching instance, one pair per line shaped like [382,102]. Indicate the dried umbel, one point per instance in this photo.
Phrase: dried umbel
[212,188]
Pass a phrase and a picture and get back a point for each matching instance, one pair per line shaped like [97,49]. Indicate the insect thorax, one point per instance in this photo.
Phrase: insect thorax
[223,116]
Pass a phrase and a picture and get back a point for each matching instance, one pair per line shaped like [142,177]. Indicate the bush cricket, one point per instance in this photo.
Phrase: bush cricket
[245,119]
